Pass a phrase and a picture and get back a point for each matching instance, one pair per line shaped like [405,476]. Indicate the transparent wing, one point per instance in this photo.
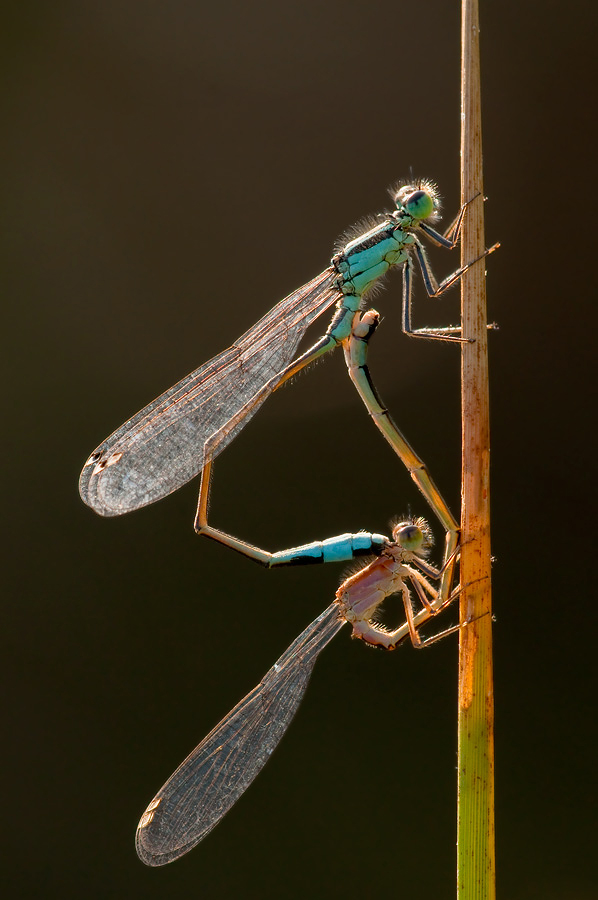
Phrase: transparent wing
[213,777]
[161,448]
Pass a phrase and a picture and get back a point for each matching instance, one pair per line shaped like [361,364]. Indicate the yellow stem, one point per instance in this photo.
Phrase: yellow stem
[475,825]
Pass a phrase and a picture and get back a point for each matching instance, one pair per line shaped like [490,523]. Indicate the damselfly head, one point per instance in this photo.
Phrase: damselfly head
[418,199]
[413,535]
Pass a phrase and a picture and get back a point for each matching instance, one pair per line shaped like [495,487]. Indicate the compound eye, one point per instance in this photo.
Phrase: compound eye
[409,536]
[419,204]
[402,194]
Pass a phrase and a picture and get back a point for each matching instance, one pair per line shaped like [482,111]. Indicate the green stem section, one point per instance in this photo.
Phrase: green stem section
[475,825]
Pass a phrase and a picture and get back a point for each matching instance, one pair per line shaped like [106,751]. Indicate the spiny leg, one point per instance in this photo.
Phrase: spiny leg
[420,586]
[427,609]
[355,348]
[414,622]
[449,241]
[433,289]
[444,334]
[431,609]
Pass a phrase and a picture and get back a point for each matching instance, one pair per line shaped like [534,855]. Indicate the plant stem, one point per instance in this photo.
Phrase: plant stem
[475,819]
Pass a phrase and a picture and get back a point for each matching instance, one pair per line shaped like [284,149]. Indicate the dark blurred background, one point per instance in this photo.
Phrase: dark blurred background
[170,172]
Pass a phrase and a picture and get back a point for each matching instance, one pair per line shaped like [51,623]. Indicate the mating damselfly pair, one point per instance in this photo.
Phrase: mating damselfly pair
[180,433]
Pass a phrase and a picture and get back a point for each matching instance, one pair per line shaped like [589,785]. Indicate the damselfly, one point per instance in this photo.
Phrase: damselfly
[162,447]
[213,777]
